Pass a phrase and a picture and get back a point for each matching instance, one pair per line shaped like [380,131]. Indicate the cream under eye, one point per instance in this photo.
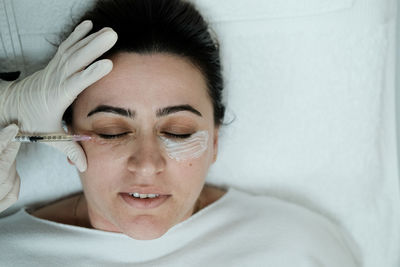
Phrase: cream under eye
[187,148]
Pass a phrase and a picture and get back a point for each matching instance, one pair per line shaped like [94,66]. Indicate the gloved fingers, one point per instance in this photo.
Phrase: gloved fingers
[11,196]
[8,149]
[7,157]
[89,50]
[85,42]
[79,32]
[9,180]
[8,173]
[83,79]
[6,135]
[65,61]
[73,151]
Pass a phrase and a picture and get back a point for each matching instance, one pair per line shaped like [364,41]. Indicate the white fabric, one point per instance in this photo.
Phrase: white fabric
[230,232]
[397,74]
[311,83]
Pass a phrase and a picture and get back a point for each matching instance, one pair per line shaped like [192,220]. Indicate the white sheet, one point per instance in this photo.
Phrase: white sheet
[311,84]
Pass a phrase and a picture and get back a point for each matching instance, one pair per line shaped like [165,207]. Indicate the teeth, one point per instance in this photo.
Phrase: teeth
[137,195]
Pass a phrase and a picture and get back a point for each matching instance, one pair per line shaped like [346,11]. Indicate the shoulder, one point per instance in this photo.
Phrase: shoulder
[62,210]
[293,232]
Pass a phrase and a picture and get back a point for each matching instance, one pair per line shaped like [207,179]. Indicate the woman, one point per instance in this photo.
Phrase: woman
[153,122]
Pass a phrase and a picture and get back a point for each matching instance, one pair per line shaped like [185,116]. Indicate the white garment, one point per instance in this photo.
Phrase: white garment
[237,230]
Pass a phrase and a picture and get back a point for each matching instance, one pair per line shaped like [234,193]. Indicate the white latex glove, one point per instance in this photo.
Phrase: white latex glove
[9,179]
[38,102]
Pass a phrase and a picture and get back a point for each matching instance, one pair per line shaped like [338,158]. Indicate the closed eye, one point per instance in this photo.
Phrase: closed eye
[180,136]
[112,136]
[170,135]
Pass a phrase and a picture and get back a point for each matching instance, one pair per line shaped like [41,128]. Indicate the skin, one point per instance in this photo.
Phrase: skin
[142,84]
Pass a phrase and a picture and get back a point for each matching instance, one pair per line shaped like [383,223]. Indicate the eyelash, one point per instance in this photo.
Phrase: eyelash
[178,136]
[115,136]
[112,136]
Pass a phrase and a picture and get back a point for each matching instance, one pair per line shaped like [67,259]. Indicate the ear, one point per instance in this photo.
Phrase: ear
[215,143]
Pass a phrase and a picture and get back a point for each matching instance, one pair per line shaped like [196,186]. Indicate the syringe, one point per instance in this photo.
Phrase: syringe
[50,138]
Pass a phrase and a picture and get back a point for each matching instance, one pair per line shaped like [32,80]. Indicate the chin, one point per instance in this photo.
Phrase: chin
[144,228]
[145,235]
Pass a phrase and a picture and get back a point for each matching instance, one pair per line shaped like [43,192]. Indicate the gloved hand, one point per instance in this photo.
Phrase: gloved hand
[9,179]
[38,102]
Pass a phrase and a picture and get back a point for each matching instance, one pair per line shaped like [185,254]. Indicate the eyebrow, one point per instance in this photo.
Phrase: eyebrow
[131,114]
[115,110]
[173,109]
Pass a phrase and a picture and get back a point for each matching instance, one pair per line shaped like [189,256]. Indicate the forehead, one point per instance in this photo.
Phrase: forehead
[150,81]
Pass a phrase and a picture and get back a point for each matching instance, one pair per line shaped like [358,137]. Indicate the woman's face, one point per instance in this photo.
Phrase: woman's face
[144,117]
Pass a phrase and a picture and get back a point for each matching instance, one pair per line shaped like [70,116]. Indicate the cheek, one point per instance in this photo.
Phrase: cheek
[102,169]
[189,175]
[101,156]
[187,181]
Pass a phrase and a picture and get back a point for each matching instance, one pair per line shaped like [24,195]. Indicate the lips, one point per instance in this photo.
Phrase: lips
[145,190]
[144,203]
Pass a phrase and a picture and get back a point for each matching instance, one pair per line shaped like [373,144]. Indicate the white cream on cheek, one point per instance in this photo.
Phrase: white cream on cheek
[190,148]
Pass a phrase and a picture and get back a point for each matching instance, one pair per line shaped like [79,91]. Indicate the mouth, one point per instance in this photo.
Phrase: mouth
[144,201]
[141,196]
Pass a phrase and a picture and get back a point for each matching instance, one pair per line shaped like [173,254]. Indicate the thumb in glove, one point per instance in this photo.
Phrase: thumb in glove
[9,179]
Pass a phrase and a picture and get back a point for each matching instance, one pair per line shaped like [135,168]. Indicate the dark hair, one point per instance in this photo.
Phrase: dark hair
[162,26]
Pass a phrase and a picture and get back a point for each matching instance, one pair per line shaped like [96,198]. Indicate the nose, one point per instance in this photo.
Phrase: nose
[146,159]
